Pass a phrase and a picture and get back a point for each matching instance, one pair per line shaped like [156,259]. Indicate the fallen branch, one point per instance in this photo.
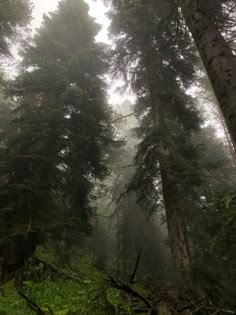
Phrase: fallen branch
[217,311]
[192,305]
[58,271]
[126,287]
[196,307]
[32,305]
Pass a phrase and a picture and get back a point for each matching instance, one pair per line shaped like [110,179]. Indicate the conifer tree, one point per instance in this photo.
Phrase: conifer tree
[159,75]
[56,154]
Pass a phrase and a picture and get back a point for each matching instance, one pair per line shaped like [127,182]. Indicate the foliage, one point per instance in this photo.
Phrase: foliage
[90,295]
[215,253]
[13,16]
[57,147]
[55,156]
[156,57]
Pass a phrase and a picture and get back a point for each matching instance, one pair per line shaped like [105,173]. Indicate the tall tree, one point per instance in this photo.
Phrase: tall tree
[56,154]
[159,75]
[213,112]
[216,54]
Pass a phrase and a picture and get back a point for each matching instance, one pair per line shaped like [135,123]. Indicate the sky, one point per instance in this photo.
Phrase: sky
[98,11]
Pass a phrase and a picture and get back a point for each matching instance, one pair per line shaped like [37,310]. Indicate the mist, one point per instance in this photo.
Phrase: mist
[117,157]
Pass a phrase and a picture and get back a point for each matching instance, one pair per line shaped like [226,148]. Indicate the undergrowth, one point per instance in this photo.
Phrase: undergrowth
[60,295]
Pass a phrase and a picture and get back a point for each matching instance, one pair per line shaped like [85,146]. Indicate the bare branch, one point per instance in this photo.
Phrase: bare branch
[126,116]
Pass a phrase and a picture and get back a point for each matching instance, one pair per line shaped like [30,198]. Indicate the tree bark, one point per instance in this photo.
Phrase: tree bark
[217,57]
[174,213]
[14,254]
[229,143]
[176,223]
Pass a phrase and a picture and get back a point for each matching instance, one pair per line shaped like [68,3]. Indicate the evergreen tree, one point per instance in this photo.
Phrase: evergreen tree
[158,62]
[148,58]
[56,154]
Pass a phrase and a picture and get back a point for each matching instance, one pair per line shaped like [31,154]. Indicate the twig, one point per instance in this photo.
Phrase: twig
[128,166]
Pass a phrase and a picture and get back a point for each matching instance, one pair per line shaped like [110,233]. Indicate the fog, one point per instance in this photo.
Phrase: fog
[117,157]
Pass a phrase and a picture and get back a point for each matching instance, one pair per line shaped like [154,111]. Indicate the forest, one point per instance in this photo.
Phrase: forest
[124,207]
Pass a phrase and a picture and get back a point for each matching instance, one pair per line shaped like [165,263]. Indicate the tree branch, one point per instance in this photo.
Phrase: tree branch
[133,275]
[126,116]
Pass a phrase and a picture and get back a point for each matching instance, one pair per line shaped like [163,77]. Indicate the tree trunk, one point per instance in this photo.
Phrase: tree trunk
[175,222]
[217,57]
[174,215]
[14,254]
[229,143]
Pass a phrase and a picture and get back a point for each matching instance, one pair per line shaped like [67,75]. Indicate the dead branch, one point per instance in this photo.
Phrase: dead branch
[133,275]
[197,306]
[217,311]
[126,116]
[32,305]
[58,271]
[128,166]
[193,305]
[126,287]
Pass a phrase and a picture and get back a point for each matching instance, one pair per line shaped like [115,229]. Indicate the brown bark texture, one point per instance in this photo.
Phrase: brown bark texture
[217,57]
[175,222]
[174,214]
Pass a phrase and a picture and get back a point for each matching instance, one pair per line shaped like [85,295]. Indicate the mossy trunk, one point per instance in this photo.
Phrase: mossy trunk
[217,57]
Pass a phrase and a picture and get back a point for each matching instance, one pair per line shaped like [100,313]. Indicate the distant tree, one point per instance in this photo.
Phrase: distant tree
[124,229]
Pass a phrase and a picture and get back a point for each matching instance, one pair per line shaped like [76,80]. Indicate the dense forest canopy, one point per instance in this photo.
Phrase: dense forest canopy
[127,207]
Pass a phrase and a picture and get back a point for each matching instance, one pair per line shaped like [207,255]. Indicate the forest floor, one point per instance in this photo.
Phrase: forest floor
[47,289]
